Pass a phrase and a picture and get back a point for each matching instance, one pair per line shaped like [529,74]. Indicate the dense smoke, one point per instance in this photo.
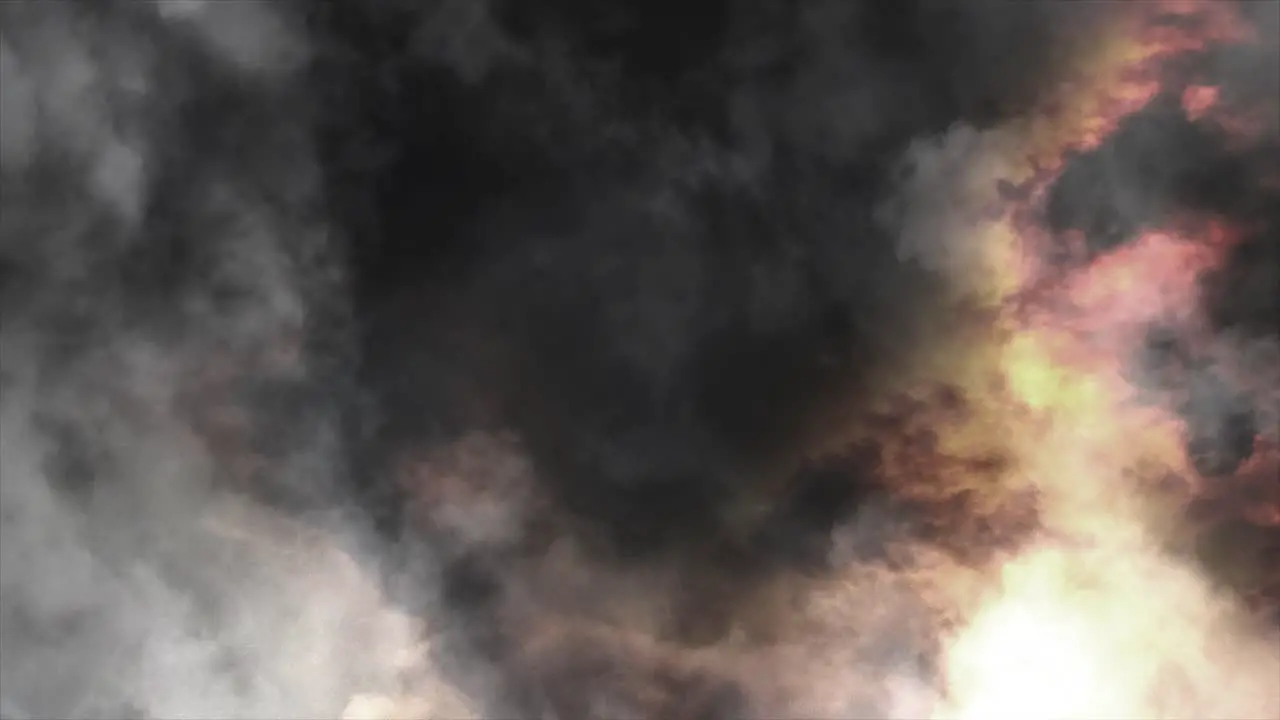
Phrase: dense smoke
[520,357]
[174,345]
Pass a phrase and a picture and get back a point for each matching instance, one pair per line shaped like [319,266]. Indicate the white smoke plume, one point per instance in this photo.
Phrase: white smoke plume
[140,575]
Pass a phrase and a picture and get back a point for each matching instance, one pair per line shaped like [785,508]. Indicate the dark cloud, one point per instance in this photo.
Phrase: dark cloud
[564,297]
[645,238]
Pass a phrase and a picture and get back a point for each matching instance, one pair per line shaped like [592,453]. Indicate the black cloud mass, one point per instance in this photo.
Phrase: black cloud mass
[513,338]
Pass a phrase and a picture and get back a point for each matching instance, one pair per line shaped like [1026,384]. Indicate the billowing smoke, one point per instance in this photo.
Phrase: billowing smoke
[1125,248]
[491,358]
[174,337]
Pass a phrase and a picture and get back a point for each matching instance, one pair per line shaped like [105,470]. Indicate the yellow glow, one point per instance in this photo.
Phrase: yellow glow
[1092,621]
